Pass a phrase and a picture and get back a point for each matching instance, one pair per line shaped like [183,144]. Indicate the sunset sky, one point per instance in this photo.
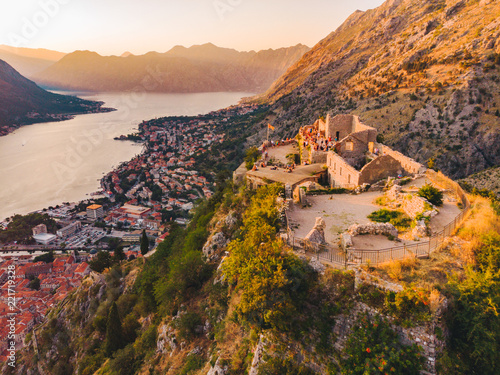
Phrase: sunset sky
[116,26]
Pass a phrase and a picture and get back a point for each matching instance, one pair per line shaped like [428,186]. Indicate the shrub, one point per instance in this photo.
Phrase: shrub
[374,348]
[432,194]
[124,361]
[488,253]
[187,325]
[193,362]
[473,324]
[411,304]
[276,365]
[397,218]
[251,156]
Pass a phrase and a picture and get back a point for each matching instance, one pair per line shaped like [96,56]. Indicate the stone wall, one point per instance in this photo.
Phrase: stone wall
[409,165]
[347,124]
[343,124]
[352,150]
[340,173]
[317,157]
[239,174]
[380,168]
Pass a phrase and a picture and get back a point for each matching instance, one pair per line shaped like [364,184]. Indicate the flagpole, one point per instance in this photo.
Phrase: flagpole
[267,132]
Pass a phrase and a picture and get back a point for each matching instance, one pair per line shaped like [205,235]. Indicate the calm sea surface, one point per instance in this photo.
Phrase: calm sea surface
[46,164]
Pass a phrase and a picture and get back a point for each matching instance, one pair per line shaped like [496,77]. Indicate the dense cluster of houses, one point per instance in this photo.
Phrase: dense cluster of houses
[57,279]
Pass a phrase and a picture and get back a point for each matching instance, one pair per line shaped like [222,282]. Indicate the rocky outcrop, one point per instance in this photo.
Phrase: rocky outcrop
[166,342]
[218,369]
[214,244]
[257,357]
[317,234]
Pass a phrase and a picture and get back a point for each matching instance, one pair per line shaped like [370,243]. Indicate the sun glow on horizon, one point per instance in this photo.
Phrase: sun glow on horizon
[112,27]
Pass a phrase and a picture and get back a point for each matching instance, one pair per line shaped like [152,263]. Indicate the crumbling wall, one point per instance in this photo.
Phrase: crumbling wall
[380,168]
[340,123]
[408,164]
[340,173]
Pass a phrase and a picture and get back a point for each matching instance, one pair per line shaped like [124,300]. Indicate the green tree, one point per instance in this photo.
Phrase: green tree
[47,257]
[144,243]
[101,261]
[114,334]
[34,284]
[432,194]
[119,255]
[251,156]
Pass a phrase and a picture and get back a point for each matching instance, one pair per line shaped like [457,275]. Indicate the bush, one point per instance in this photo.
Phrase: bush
[432,194]
[409,305]
[193,362]
[276,365]
[474,325]
[396,218]
[187,325]
[124,361]
[252,155]
[374,348]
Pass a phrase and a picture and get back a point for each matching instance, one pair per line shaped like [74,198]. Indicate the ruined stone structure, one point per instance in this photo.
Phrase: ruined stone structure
[352,154]
[350,151]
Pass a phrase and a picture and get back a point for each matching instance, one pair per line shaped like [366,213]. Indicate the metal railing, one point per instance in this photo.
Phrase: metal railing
[356,257]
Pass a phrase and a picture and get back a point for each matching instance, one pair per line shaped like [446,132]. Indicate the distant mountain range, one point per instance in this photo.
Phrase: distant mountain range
[29,61]
[203,68]
[23,102]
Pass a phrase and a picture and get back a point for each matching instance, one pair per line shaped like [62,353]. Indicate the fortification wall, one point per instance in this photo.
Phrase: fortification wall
[409,165]
[380,168]
[340,173]
[343,124]
[364,132]
[317,157]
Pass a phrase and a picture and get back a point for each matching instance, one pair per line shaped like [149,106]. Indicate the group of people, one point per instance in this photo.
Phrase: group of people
[318,142]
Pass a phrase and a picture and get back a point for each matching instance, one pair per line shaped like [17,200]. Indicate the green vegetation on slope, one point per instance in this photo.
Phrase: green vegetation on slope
[20,227]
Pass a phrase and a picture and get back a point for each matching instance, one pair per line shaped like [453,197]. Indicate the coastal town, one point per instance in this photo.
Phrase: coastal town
[31,288]
[144,195]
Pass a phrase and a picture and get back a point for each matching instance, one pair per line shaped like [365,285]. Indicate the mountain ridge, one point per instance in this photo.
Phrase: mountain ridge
[200,68]
[23,102]
[406,68]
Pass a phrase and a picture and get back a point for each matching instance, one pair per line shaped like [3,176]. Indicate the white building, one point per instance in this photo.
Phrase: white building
[45,238]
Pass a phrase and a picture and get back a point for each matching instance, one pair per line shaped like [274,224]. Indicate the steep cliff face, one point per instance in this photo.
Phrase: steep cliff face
[205,68]
[425,73]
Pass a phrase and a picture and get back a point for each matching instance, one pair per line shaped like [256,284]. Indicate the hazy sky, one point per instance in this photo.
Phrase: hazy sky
[139,26]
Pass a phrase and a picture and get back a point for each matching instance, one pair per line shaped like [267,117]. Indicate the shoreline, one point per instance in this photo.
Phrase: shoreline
[5,130]
[144,152]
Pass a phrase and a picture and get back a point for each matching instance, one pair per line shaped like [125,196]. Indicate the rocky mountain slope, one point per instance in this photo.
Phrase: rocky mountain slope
[425,73]
[204,68]
[23,102]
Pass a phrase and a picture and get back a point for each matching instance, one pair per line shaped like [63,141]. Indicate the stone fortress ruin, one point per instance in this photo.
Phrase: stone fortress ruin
[336,174]
[351,152]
